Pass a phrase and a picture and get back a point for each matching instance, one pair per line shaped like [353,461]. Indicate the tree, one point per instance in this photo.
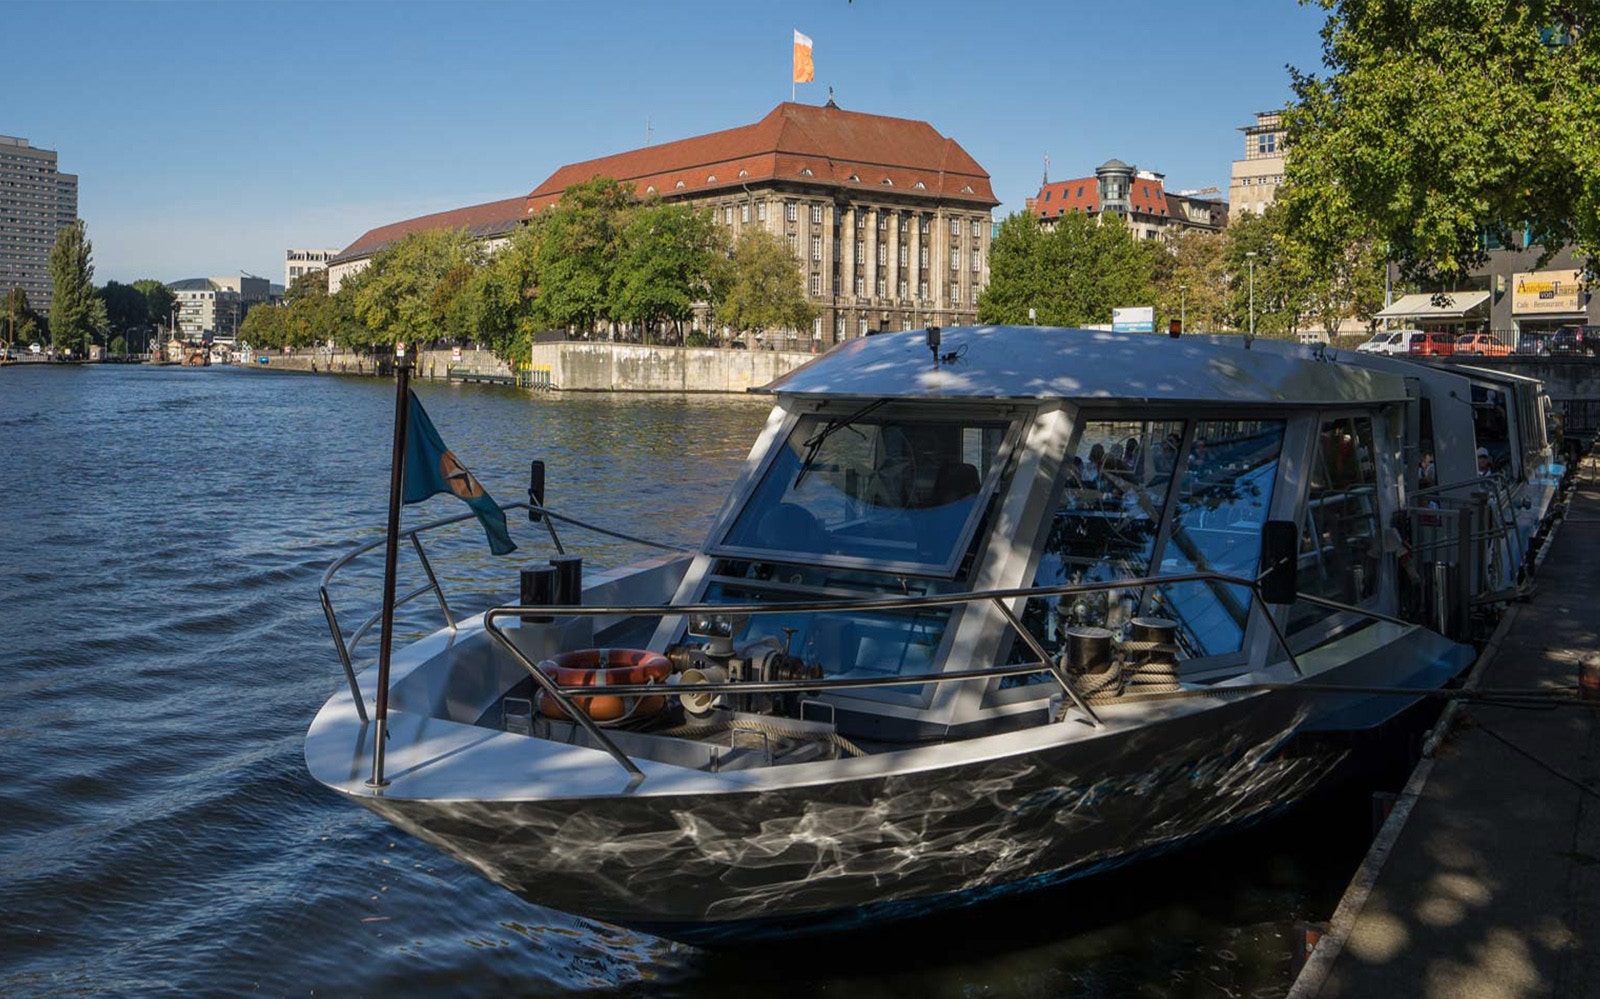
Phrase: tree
[77,314]
[1016,271]
[160,301]
[126,306]
[1073,275]
[414,292]
[1268,270]
[577,244]
[265,327]
[1195,288]
[764,287]
[310,283]
[665,265]
[22,323]
[503,294]
[1440,123]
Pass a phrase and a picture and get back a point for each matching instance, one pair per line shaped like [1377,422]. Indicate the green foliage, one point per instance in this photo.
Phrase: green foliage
[1276,274]
[118,346]
[125,305]
[764,286]
[310,283]
[665,264]
[1195,285]
[265,327]
[1439,122]
[77,313]
[415,290]
[309,318]
[1073,275]
[160,301]
[21,322]
[578,242]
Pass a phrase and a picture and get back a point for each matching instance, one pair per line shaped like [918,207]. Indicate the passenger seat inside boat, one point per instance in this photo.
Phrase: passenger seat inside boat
[956,481]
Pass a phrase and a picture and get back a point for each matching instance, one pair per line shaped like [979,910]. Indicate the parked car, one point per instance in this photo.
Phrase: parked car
[1481,343]
[1576,340]
[1537,344]
[1390,342]
[1432,345]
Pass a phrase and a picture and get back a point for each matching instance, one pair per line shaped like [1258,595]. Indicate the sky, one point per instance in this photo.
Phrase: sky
[210,137]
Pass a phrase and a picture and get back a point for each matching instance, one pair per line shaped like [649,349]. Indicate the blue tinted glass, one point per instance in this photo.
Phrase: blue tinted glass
[1223,501]
[878,488]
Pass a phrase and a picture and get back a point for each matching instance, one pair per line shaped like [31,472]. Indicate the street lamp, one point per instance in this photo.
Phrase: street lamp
[1251,258]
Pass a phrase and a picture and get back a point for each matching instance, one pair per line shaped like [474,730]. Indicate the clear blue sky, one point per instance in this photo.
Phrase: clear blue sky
[208,138]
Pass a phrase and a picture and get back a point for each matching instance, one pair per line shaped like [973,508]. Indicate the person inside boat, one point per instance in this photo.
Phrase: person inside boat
[1428,472]
[1485,468]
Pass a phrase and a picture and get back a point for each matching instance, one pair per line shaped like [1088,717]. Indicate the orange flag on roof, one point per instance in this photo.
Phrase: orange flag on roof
[804,72]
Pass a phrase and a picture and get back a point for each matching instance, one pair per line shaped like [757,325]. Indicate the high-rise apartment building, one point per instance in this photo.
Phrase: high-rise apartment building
[1255,180]
[36,200]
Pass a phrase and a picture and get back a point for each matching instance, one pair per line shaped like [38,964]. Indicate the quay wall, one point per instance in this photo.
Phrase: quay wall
[430,363]
[576,366]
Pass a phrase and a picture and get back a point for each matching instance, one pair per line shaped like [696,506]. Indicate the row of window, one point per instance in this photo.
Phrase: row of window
[1263,180]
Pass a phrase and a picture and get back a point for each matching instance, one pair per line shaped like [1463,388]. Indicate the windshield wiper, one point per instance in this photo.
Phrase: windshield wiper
[814,442]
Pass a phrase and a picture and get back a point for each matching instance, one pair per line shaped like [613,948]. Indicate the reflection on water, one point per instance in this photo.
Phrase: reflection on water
[160,548]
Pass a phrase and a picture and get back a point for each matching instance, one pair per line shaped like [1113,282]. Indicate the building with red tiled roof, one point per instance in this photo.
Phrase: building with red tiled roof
[490,222]
[1139,196]
[889,219]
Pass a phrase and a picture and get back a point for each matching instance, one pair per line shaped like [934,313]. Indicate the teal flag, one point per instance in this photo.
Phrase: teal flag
[432,468]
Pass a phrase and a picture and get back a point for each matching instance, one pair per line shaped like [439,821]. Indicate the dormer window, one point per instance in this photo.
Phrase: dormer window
[919,185]
[711,179]
[650,190]
[678,186]
[744,173]
[855,178]
[966,189]
[887,182]
[805,172]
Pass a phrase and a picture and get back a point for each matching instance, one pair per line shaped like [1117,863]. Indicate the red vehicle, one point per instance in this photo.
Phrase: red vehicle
[1433,345]
[1481,343]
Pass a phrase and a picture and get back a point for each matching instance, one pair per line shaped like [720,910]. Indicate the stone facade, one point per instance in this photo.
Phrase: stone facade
[1255,180]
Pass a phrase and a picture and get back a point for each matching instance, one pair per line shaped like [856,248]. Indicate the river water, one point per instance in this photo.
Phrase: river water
[162,535]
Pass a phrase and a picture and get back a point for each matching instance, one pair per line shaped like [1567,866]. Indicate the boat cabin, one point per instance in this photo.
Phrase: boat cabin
[1009,458]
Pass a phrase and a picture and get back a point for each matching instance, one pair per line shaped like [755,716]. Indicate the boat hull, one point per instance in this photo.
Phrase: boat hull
[743,866]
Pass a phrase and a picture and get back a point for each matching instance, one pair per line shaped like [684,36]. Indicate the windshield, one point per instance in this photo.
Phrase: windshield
[880,487]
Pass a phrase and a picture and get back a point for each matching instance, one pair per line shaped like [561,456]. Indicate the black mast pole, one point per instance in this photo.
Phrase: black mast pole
[391,552]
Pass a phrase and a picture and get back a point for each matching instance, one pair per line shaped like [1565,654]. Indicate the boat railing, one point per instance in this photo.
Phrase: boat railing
[346,647]
[1001,599]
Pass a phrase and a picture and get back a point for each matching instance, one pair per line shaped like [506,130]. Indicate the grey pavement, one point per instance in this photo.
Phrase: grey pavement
[1492,888]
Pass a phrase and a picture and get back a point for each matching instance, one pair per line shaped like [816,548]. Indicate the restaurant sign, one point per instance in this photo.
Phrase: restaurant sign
[1547,292]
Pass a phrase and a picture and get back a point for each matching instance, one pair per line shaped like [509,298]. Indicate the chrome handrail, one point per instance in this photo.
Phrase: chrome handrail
[494,615]
[346,648]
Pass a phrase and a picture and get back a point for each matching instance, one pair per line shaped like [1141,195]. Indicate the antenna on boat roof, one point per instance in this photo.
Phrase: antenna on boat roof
[933,343]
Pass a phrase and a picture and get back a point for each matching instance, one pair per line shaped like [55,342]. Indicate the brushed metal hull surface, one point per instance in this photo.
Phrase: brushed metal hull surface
[710,868]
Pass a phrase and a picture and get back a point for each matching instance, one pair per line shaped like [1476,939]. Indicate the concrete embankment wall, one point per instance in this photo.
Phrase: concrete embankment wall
[610,367]
[430,363]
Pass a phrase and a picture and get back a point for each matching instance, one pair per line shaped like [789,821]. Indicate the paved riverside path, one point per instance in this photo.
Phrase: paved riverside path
[1492,888]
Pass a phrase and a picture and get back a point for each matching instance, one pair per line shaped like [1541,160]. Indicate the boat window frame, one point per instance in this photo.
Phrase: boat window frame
[1013,413]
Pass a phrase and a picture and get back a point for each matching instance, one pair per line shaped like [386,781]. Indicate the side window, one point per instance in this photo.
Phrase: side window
[1223,499]
[1340,541]
[1106,525]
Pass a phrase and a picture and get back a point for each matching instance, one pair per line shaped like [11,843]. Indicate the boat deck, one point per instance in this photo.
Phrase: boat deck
[1490,886]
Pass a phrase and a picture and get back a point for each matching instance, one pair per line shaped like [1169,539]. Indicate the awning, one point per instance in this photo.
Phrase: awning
[1458,304]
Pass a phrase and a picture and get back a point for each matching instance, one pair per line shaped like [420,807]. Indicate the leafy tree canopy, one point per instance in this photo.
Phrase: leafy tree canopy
[1439,122]
[21,323]
[125,305]
[1072,275]
[159,301]
[77,313]
[414,292]
[765,290]
[665,264]
[578,241]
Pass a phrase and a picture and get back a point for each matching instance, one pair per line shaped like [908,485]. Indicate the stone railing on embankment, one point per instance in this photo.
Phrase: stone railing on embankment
[578,366]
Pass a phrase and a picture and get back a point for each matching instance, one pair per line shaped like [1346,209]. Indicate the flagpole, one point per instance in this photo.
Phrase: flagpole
[391,553]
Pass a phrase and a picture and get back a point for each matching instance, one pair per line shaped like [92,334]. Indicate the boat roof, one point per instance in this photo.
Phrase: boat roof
[1041,362]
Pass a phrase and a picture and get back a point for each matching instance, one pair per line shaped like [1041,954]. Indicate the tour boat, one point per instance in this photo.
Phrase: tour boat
[987,609]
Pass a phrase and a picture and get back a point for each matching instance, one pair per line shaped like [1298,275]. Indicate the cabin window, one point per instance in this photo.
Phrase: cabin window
[1223,500]
[878,488]
[1491,427]
[1340,540]
[1106,524]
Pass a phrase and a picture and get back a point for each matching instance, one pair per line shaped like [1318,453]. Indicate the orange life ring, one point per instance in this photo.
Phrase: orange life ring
[600,668]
